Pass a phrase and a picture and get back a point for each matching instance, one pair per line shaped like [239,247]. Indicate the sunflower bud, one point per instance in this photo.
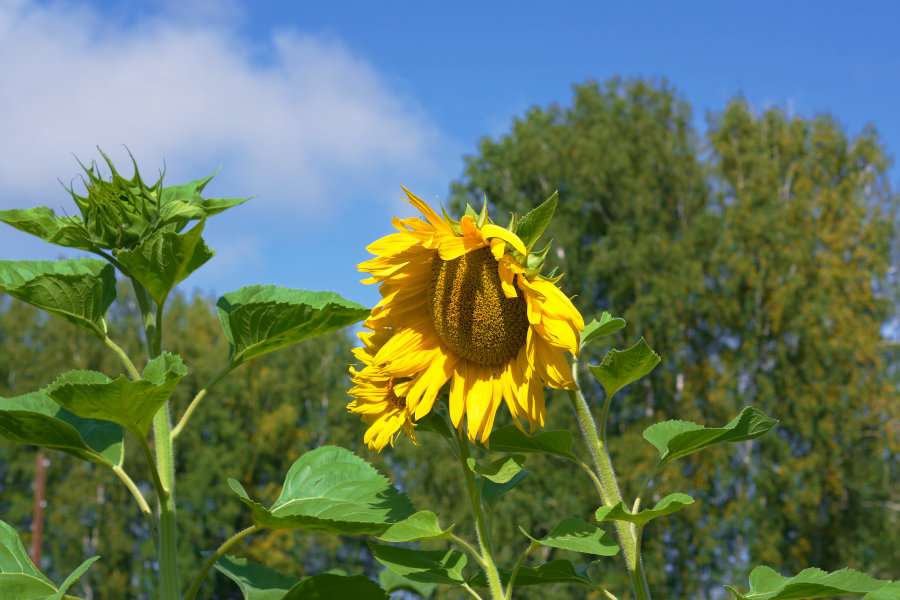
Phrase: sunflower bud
[121,212]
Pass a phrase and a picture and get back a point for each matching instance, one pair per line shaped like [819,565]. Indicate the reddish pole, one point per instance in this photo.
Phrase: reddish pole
[37,525]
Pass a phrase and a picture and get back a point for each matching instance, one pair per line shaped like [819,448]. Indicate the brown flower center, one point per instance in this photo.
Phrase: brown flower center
[470,312]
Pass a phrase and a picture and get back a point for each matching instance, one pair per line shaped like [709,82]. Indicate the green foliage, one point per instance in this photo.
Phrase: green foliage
[767,584]
[621,367]
[423,525]
[555,571]
[607,325]
[666,506]
[578,536]
[257,582]
[424,566]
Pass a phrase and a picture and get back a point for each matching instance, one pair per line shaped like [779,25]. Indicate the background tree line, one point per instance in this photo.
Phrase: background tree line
[754,259]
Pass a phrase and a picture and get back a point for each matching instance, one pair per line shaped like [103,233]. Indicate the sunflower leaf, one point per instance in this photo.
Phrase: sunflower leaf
[675,439]
[555,571]
[532,225]
[180,204]
[578,536]
[491,492]
[424,566]
[767,584]
[43,223]
[328,586]
[511,439]
[257,582]
[166,258]
[21,578]
[607,325]
[131,404]
[501,470]
[330,489]
[666,506]
[37,420]
[621,367]
[260,319]
[422,525]
[79,290]
[391,582]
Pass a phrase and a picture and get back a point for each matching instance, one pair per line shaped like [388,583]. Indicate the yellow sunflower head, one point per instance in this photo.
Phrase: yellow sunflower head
[377,396]
[464,301]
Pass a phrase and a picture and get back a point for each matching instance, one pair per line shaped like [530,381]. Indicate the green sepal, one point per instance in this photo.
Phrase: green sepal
[607,325]
[37,420]
[183,203]
[621,367]
[131,404]
[423,525]
[767,584]
[263,318]
[578,536]
[534,262]
[453,223]
[666,506]
[166,258]
[330,489]
[676,439]
[555,571]
[532,225]
[471,212]
[425,566]
[499,471]
[20,579]
[79,290]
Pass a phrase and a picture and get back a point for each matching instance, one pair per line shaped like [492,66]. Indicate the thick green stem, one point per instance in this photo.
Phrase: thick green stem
[609,492]
[484,542]
[168,543]
[226,545]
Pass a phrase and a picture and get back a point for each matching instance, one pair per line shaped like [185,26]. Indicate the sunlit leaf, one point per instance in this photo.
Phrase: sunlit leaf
[578,536]
[511,439]
[327,586]
[501,470]
[166,258]
[78,290]
[392,582]
[425,566]
[131,404]
[331,489]
[621,367]
[37,420]
[422,525]
[607,325]
[666,506]
[182,203]
[532,225]
[20,579]
[257,582]
[767,584]
[260,319]
[555,571]
[43,222]
[491,492]
[675,439]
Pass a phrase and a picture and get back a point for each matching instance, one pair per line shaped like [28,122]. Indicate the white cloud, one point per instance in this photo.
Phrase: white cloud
[312,121]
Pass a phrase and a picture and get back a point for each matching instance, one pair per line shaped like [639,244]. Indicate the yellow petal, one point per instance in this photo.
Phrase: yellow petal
[489,230]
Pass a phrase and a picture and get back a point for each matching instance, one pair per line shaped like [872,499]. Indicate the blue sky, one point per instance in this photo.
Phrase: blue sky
[322,110]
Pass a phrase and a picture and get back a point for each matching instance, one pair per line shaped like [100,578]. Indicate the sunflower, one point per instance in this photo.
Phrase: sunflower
[376,396]
[464,302]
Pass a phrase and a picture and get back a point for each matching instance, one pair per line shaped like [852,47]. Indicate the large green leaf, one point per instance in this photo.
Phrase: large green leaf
[20,579]
[767,584]
[43,222]
[260,319]
[37,420]
[666,506]
[621,367]
[131,404]
[328,586]
[78,290]
[555,571]
[165,258]
[675,439]
[426,566]
[607,325]
[331,489]
[257,582]
[511,439]
[532,225]
[423,525]
[491,492]
[578,536]
[391,582]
